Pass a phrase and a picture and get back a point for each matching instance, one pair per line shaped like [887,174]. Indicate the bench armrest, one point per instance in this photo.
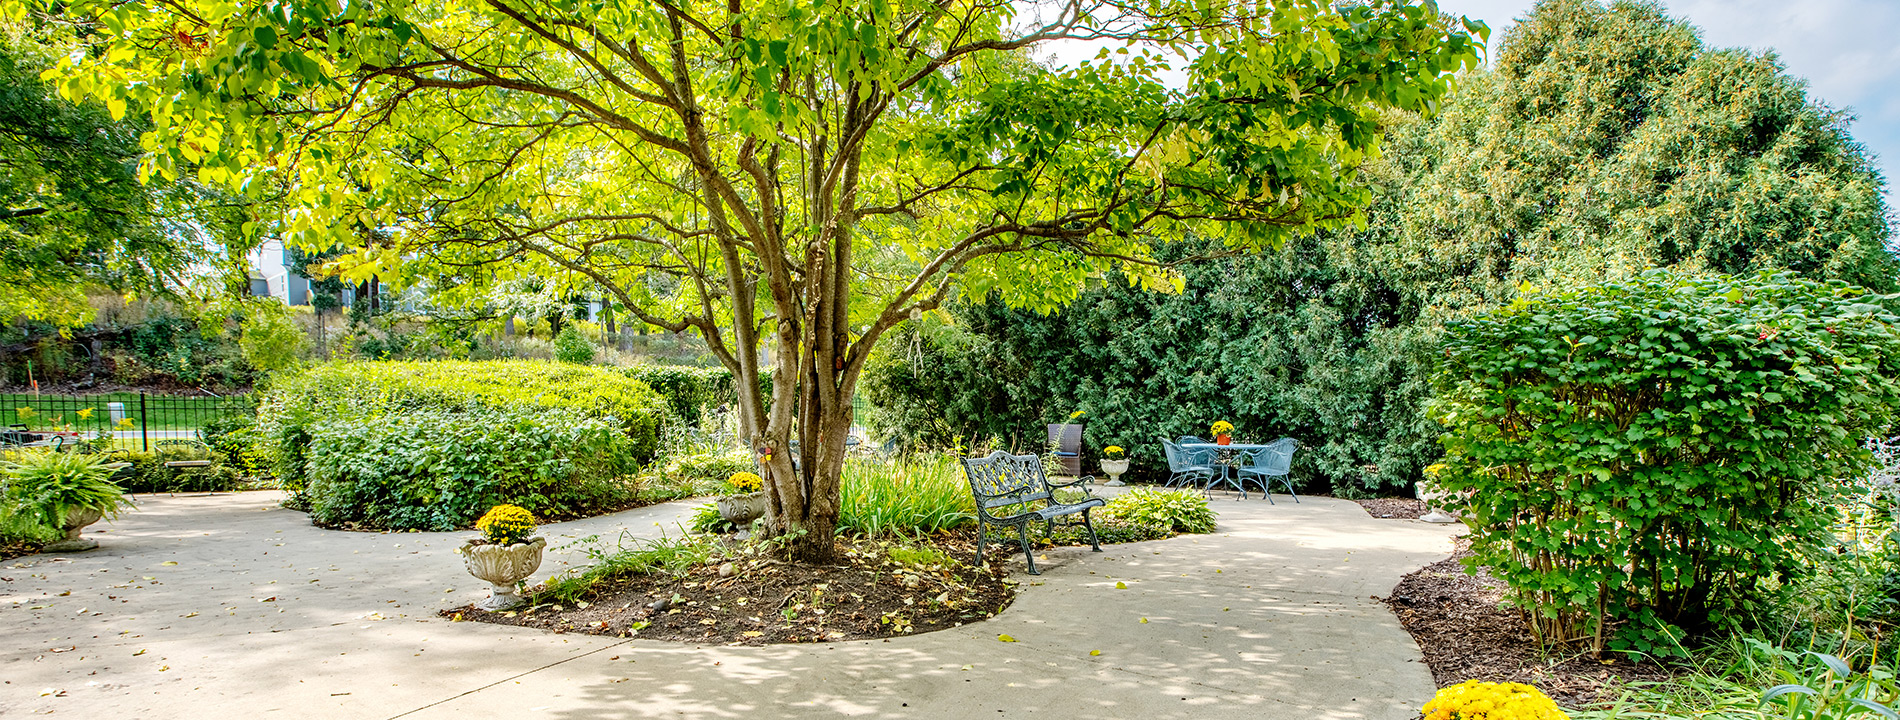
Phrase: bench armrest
[1079,484]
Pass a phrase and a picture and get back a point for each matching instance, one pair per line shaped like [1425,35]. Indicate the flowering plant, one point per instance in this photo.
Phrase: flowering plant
[745,482]
[1112,451]
[506,525]
[1474,700]
[1221,427]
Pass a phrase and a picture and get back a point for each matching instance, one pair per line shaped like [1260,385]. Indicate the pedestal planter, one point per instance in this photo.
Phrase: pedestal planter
[1114,469]
[742,509]
[503,566]
[76,520]
[1432,513]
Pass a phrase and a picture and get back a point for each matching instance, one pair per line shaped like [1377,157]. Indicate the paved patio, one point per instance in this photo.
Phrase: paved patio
[229,606]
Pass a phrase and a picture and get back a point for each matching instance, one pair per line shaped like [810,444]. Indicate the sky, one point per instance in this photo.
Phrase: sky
[1847,50]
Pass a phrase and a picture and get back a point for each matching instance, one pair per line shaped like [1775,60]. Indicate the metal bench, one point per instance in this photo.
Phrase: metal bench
[1006,486]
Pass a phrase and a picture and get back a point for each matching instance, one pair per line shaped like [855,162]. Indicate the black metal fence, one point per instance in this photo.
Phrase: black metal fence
[144,418]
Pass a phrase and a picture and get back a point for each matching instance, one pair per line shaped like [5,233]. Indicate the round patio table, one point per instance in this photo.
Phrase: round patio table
[1224,457]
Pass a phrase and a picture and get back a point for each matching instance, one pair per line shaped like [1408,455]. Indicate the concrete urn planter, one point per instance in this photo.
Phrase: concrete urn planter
[1114,469]
[502,567]
[76,520]
[1431,496]
[742,509]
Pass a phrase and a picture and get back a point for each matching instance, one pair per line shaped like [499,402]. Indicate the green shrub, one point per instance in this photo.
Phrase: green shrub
[1653,456]
[574,348]
[1108,529]
[440,470]
[1174,510]
[708,472]
[706,519]
[236,442]
[44,486]
[296,401]
[149,473]
[915,495]
[688,391]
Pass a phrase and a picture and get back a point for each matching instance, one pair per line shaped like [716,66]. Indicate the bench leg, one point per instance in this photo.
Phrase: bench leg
[1093,540]
[980,534]
[1028,552]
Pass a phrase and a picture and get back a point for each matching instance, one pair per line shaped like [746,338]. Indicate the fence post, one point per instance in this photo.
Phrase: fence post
[145,427]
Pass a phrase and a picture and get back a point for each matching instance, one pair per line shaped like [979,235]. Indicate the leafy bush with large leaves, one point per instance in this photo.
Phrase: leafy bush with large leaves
[387,391]
[440,470]
[1642,458]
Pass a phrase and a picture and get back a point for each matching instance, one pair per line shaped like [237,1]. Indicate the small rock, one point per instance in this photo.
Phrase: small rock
[660,605]
[727,570]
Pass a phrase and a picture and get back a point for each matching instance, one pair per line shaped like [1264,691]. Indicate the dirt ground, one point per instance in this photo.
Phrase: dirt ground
[1395,508]
[1466,634]
[756,600]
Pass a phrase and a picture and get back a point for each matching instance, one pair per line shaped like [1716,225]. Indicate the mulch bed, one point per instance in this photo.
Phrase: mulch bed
[1466,635]
[1394,508]
[767,601]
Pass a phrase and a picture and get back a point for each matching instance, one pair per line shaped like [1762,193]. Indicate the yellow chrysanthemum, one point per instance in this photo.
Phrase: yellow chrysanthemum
[1474,700]
[506,525]
[1112,450]
[745,482]
[1221,428]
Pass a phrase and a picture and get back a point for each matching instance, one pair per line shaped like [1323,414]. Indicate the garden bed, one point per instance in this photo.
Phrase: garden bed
[882,590]
[1467,635]
[1394,508]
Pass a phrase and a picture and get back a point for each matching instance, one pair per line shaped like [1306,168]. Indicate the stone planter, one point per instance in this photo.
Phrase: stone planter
[76,520]
[1114,470]
[742,509]
[502,567]
[1432,513]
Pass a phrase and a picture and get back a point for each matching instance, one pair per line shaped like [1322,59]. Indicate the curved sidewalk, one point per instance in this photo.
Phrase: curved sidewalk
[228,606]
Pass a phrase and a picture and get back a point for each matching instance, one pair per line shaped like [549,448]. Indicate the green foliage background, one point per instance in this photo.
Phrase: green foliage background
[1601,141]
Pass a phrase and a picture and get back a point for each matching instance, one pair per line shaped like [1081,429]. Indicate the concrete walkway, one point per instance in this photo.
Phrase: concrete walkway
[229,606]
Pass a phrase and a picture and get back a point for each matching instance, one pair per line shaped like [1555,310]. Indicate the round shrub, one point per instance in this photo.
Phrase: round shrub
[1642,459]
[574,348]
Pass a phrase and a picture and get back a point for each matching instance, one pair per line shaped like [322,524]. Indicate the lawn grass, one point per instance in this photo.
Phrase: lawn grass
[160,412]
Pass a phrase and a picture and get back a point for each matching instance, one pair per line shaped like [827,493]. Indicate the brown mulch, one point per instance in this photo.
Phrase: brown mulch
[768,601]
[1467,635]
[1395,508]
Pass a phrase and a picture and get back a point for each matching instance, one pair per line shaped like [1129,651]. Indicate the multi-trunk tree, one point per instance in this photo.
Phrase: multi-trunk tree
[789,179]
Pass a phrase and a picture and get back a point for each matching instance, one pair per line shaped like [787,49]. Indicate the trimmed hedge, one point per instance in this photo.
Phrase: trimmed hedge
[432,445]
[370,390]
[440,470]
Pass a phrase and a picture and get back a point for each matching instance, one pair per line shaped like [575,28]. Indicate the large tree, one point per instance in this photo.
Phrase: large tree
[73,214]
[790,179]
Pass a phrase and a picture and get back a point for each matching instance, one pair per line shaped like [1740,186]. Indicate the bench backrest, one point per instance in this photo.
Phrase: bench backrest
[1000,479]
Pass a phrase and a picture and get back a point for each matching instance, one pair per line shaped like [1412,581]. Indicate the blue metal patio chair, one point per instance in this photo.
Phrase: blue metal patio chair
[1187,467]
[1269,465]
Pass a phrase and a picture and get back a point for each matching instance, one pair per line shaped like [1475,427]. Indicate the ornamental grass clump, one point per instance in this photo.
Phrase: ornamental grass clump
[506,525]
[1645,460]
[1474,700]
